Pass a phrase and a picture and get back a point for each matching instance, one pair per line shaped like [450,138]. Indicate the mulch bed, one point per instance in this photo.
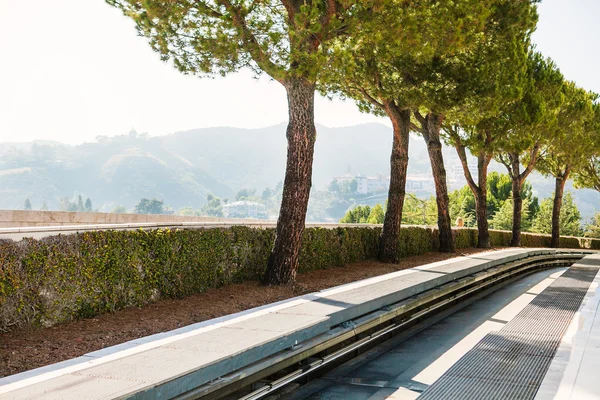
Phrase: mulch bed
[34,347]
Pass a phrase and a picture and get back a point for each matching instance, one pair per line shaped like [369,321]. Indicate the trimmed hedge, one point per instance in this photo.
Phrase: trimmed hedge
[61,278]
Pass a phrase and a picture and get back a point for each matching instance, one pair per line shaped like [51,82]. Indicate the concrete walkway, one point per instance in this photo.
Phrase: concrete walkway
[401,369]
[166,365]
[574,373]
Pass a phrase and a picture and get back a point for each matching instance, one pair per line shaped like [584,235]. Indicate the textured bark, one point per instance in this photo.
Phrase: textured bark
[517,201]
[559,189]
[478,189]
[301,134]
[390,235]
[431,134]
[513,165]
[483,233]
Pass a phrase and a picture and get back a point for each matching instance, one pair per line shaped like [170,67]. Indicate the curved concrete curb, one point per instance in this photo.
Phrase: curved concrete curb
[146,368]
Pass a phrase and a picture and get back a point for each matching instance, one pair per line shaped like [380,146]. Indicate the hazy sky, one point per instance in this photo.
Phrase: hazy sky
[75,69]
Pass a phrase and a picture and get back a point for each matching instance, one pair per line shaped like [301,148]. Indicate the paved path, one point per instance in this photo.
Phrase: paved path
[440,362]
[203,352]
[575,370]
[401,369]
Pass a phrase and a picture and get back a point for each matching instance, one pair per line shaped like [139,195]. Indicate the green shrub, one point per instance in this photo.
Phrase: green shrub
[61,278]
[569,242]
[415,240]
[500,238]
[465,237]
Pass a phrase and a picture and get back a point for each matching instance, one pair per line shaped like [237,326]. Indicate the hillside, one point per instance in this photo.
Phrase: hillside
[182,168]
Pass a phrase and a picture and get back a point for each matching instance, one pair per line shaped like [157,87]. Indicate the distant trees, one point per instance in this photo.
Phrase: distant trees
[149,206]
[357,215]
[364,215]
[343,187]
[592,229]
[119,210]
[27,204]
[78,205]
[569,219]
[419,211]
[213,207]
[244,194]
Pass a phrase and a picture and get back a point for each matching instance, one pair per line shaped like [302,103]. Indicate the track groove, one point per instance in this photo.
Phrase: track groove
[511,363]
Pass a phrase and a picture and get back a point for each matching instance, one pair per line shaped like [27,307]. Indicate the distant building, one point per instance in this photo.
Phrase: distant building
[245,209]
[372,184]
[381,183]
[421,182]
[459,173]
[348,177]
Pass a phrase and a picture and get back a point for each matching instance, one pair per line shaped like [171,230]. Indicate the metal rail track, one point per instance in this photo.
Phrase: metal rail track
[346,340]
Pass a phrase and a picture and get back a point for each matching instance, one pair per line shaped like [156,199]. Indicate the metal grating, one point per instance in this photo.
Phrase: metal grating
[511,363]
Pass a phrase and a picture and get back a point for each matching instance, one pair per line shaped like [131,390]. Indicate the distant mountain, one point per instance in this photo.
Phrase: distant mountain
[184,167]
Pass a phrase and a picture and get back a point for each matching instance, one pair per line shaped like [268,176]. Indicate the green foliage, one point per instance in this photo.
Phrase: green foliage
[462,204]
[344,187]
[187,212]
[575,136]
[588,176]
[267,194]
[119,210]
[376,215]
[61,278]
[500,238]
[570,218]
[283,39]
[464,238]
[149,206]
[592,230]
[415,240]
[525,126]
[213,207]
[357,215]
[244,194]
[499,189]
[76,205]
[27,204]
[503,218]
[418,211]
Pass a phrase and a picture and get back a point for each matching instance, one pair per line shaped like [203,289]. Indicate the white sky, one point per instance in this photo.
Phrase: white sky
[74,69]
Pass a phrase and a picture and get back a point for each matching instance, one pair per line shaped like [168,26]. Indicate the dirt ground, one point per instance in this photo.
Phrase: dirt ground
[35,347]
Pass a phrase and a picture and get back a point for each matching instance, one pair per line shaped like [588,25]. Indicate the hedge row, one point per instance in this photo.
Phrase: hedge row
[61,278]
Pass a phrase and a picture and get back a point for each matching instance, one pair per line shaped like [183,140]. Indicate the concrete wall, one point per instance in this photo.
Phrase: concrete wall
[26,218]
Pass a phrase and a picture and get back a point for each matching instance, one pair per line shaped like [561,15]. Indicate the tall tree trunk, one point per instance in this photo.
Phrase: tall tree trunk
[431,134]
[390,235]
[559,189]
[513,165]
[478,189]
[483,233]
[301,134]
[517,200]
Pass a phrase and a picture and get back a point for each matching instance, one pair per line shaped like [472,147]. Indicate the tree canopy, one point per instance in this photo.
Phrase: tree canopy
[149,206]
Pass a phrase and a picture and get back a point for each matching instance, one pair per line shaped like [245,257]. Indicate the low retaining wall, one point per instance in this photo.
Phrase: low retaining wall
[25,218]
[65,277]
